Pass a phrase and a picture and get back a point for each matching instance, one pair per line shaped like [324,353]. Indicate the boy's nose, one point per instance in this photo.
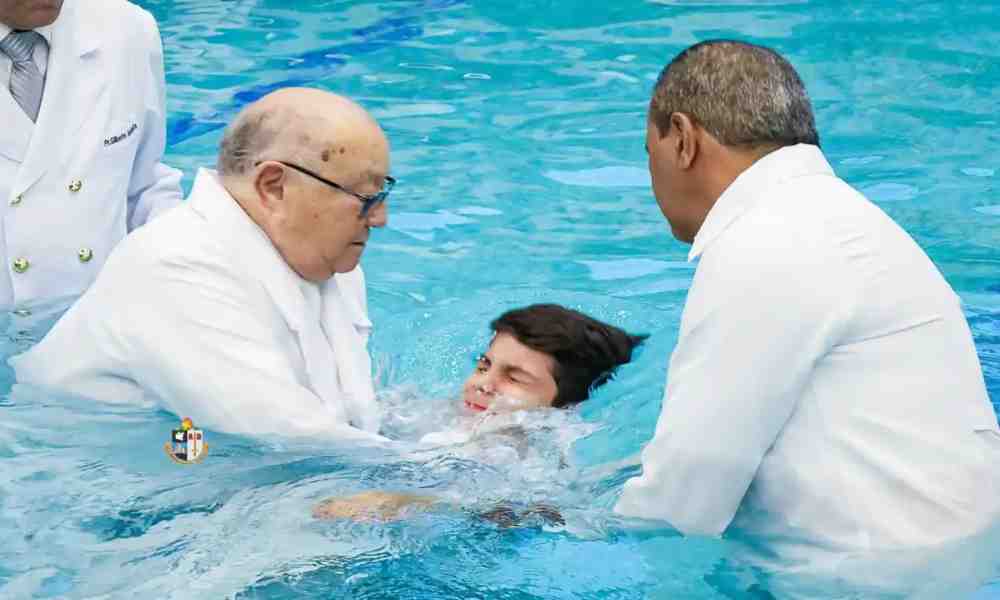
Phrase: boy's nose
[486,387]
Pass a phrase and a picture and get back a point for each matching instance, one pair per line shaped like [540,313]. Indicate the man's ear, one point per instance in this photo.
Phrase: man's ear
[270,187]
[685,139]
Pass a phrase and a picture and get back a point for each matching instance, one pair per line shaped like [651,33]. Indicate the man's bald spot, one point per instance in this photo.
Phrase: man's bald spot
[304,125]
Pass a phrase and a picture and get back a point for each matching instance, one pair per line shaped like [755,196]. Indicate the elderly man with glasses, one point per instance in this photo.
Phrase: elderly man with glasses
[244,308]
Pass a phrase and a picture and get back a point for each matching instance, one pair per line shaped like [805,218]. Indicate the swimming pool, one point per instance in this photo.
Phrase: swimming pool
[517,132]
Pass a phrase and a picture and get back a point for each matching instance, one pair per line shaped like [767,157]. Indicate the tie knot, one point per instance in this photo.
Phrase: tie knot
[20,45]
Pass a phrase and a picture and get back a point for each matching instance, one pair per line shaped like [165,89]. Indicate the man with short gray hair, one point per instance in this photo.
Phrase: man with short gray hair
[244,308]
[825,392]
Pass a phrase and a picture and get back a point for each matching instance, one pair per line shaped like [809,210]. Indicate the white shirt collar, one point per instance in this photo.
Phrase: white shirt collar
[747,189]
[210,198]
[46,31]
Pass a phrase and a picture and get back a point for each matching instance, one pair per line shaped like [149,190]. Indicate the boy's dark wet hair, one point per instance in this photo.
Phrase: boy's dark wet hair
[586,351]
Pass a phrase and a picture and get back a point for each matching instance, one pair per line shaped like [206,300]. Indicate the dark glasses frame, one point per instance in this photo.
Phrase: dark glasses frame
[367,202]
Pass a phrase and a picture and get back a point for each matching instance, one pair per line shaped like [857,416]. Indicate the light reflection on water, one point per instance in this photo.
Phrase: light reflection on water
[517,133]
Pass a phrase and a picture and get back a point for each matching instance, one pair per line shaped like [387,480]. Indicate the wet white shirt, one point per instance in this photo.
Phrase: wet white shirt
[824,390]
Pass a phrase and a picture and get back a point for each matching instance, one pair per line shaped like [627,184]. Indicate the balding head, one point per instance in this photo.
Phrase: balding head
[316,225]
[298,124]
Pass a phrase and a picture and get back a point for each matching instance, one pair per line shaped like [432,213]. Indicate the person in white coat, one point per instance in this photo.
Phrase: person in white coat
[244,308]
[825,392]
[82,105]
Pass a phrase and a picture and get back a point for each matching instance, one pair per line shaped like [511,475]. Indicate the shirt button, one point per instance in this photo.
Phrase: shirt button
[16,200]
[85,254]
[76,186]
[21,265]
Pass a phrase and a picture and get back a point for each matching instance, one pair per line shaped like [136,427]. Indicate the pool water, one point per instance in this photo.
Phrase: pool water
[517,131]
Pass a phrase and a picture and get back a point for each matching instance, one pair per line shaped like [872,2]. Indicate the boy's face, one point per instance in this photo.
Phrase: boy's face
[510,376]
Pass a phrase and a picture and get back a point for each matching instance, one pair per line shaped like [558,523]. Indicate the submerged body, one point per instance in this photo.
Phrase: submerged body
[541,357]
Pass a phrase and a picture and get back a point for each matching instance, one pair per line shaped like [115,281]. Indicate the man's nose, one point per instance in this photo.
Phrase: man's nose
[378,216]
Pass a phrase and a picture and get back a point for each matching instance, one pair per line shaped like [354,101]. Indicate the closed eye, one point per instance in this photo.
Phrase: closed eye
[520,376]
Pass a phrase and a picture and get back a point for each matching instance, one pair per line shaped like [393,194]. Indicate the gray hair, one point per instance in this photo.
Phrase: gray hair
[240,145]
[248,138]
[746,96]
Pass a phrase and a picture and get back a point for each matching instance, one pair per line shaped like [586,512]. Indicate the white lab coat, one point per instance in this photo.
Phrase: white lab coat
[197,312]
[74,183]
[824,389]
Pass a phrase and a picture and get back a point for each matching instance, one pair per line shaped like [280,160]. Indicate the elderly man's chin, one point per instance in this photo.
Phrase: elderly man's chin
[346,266]
[344,263]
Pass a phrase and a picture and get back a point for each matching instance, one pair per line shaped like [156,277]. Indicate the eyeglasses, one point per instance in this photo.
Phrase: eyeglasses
[367,202]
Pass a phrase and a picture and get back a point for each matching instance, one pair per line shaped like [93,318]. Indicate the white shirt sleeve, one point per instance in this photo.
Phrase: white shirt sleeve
[752,329]
[203,352]
[153,186]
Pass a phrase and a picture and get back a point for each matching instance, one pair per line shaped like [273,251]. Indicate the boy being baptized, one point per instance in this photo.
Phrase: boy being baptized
[541,356]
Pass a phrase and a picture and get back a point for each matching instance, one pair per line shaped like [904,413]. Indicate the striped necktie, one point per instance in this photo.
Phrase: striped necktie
[26,81]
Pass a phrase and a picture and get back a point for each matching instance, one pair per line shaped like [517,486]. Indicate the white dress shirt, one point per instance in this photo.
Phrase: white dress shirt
[198,313]
[825,389]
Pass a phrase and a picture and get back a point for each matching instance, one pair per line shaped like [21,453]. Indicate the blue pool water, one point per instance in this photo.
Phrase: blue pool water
[517,132]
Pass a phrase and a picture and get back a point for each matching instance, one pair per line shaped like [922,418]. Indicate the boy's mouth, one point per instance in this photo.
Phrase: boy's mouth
[474,406]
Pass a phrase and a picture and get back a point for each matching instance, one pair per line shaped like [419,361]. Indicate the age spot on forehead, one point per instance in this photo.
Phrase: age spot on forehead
[343,149]
[325,156]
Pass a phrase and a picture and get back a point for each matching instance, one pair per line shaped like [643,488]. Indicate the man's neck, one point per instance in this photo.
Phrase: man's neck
[721,166]
[727,165]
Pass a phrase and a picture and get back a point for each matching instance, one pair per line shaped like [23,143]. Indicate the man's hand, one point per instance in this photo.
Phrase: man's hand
[372,506]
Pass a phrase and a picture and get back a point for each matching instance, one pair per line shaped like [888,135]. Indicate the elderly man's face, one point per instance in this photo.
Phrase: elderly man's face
[322,230]
[29,14]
